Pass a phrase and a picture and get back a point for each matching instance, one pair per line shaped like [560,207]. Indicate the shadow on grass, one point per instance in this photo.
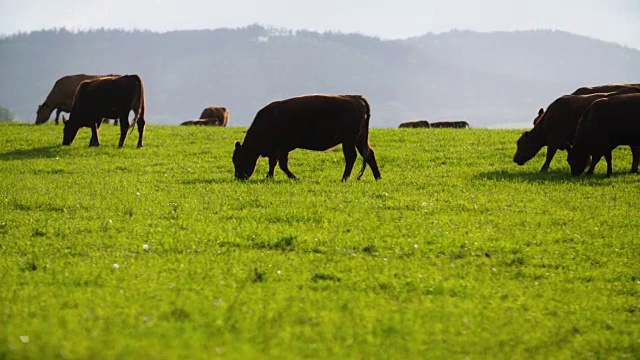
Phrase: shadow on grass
[232,180]
[34,153]
[203,181]
[556,176]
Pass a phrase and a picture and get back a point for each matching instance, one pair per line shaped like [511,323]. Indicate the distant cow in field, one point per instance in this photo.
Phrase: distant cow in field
[415,124]
[605,125]
[586,90]
[312,122]
[556,127]
[203,122]
[112,97]
[450,124]
[215,116]
[60,97]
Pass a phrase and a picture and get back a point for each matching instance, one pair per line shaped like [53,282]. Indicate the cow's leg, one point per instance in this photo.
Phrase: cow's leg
[57,115]
[124,127]
[373,164]
[607,156]
[273,161]
[350,156]
[635,152]
[594,161]
[115,122]
[94,134]
[369,158]
[141,124]
[283,161]
[551,152]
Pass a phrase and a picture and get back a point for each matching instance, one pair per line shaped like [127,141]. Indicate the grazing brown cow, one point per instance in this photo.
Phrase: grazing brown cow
[60,97]
[112,97]
[586,90]
[312,122]
[415,124]
[216,116]
[556,127]
[606,124]
[450,124]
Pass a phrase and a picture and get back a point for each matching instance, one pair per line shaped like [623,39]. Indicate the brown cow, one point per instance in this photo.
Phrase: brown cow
[556,127]
[216,116]
[586,90]
[203,122]
[112,97]
[450,124]
[312,122]
[605,125]
[60,97]
[415,124]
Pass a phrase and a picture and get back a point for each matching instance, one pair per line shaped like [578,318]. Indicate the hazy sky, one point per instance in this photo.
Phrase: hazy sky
[611,20]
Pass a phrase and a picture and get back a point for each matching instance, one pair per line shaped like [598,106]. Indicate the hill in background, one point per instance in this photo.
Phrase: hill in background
[488,79]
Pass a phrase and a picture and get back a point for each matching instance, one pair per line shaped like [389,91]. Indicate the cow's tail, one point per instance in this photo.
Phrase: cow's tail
[140,102]
[363,139]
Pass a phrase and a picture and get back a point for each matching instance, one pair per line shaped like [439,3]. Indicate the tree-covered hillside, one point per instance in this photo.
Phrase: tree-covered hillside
[488,79]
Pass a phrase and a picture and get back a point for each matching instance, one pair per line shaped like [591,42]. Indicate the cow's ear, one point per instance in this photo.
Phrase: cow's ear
[64,119]
[238,145]
[540,112]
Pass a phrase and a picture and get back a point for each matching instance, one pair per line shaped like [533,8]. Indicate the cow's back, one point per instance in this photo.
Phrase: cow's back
[62,94]
[586,90]
[109,96]
[617,116]
[314,122]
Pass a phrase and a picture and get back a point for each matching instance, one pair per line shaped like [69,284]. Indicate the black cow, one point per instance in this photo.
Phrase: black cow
[312,122]
[606,124]
[414,124]
[450,124]
[113,98]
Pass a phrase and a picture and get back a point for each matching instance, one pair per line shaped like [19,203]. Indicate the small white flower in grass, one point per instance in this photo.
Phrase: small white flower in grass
[424,204]
[415,246]
[116,266]
[24,339]
[145,247]
[278,272]
[138,193]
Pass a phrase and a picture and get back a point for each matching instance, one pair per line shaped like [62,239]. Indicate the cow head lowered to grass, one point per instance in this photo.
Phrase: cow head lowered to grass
[312,122]
[528,146]
[244,161]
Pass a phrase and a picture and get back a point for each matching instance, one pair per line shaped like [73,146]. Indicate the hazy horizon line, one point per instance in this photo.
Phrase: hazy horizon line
[327,31]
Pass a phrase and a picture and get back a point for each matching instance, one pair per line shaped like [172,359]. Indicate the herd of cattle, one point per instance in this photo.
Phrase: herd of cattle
[589,124]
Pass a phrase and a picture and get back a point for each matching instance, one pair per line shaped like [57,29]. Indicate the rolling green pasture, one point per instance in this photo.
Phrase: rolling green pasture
[158,253]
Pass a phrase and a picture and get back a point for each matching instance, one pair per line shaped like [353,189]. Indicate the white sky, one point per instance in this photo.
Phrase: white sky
[611,20]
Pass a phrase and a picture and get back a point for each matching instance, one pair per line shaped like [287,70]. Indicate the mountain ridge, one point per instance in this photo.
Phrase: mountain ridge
[488,79]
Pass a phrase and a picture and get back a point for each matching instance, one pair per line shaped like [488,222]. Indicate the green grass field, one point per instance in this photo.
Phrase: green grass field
[158,253]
